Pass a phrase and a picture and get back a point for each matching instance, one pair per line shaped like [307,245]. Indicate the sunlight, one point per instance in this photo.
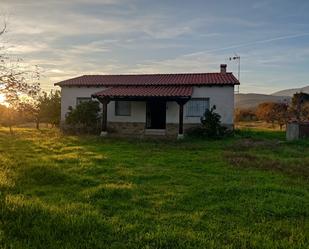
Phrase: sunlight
[2,99]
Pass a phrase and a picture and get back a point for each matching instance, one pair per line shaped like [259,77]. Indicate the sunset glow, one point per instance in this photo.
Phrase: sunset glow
[2,99]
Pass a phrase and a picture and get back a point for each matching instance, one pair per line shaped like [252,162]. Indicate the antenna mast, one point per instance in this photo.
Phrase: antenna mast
[237,58]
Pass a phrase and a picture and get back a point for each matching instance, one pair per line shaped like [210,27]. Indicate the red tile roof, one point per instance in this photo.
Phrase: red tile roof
[146,91]
[152,80]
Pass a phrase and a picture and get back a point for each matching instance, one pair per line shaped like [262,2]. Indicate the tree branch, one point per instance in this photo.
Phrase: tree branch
[3,29]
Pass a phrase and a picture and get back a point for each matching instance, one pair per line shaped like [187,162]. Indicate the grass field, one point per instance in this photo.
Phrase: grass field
[249,191]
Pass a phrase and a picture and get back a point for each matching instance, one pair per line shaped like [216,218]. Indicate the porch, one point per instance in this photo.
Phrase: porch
[155,100]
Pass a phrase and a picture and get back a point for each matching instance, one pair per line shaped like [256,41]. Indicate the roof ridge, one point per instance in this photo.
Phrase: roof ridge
[215,78]
[150,74]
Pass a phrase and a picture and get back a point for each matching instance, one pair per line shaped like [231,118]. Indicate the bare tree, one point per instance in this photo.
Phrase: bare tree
[16,80]
[3,29]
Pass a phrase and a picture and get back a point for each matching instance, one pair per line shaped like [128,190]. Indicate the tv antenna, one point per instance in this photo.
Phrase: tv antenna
[236,58]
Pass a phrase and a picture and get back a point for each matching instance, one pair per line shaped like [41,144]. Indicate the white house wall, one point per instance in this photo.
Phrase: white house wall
[222,97]
[70,94]
[138,113]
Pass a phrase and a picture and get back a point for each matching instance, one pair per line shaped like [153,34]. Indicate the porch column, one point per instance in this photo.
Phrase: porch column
[180,128]
[181,103]
[104,102]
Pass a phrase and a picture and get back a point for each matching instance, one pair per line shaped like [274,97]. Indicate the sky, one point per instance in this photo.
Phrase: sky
[68,38]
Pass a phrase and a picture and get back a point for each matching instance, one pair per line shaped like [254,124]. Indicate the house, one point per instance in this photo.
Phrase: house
[153,104]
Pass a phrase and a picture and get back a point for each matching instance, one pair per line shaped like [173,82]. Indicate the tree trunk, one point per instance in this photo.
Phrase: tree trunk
[37,124]
[11,130]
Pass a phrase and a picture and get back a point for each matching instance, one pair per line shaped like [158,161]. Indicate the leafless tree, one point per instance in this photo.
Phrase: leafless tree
[16,80]
[3,29]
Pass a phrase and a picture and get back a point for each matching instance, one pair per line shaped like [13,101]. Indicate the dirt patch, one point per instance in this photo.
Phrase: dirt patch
[240,159]
[249,143]
[243,159]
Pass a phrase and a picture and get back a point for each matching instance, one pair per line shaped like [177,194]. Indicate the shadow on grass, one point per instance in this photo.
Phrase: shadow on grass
[27,223]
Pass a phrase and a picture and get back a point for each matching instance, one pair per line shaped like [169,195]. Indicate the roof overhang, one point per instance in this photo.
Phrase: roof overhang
[145,93]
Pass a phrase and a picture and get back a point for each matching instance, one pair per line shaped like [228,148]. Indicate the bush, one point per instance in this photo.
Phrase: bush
[300,106]
[85,118]
[245,115]
[210,126]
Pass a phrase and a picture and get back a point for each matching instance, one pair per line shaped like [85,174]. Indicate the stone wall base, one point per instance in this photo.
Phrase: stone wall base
[172,129]
[138,129]
[126,128]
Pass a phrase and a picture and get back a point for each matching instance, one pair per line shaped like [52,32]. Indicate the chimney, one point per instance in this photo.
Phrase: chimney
[223,68]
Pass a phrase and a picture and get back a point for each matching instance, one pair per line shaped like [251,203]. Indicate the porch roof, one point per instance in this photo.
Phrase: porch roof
[146,91]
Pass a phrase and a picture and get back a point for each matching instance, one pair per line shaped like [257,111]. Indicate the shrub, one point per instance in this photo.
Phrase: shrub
[245,115]
[210,126]
[300,106]
[85,118]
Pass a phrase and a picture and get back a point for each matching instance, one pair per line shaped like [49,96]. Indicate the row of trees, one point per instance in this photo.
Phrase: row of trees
[44,109]
[279,113]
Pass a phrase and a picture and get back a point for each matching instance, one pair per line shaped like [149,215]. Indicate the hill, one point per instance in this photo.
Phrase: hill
[290,92]
[252,100]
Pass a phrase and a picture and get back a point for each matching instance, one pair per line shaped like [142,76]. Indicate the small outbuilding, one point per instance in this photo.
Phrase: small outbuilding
[297,130]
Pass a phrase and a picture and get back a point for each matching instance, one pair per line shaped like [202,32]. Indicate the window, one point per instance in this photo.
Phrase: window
[122,108]
[196,107]
[82,99]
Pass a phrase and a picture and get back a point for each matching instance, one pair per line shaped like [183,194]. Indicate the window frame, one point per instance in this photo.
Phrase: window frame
[200,115]
[123,115]
[80,100]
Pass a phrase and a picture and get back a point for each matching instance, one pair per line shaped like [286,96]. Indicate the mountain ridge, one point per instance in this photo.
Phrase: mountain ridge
[252,100]
[291,91]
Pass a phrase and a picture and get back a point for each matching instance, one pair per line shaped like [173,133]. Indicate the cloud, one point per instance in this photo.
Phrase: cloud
[70,38]
[92,47]
[180,64]
[27,48]
[261,4]
[68,2]
[55,23]
[247,44]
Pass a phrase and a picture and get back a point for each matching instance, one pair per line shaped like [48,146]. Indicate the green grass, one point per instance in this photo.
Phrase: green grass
[250,191]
